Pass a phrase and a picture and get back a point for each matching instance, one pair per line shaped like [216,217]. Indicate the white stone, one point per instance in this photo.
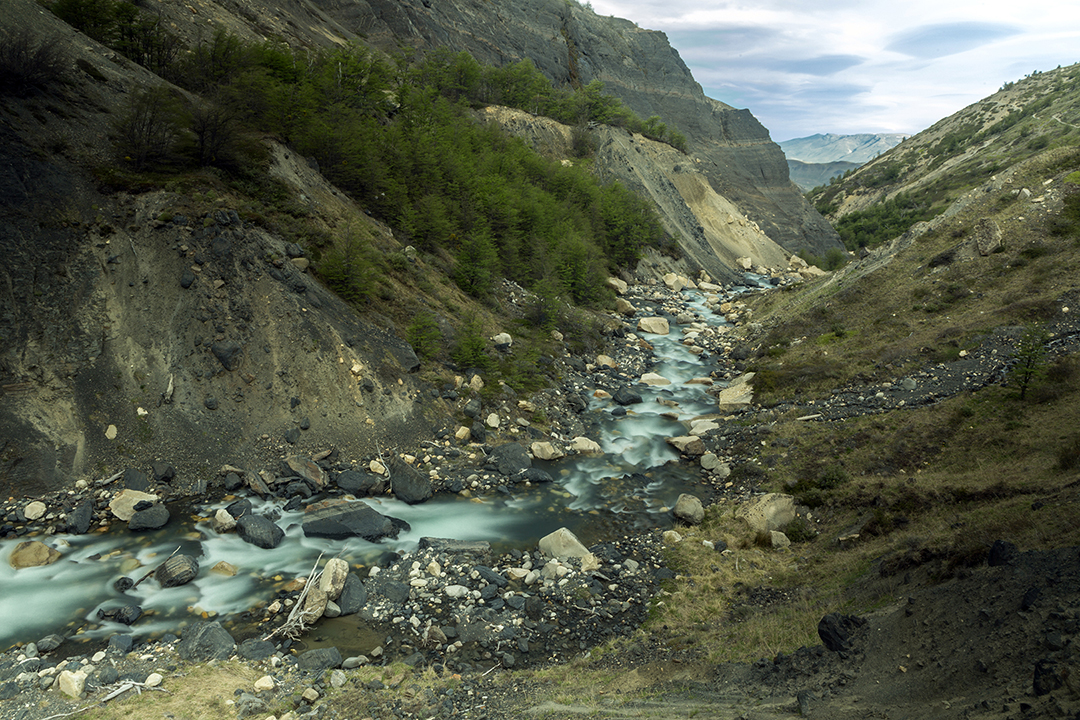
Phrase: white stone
[700,427]
[617,285]
[35,510]
[654,379]
[583,444]
[153,680]
[110,432]
[333,577]
[546,451]
[779,540]
[222,521]
[377,467]
[502,339]
[689,444]
[264,683]
[456,591]
[476,383]
[739,394]
[670,537]
[767,512]
[71,683]
[492,420]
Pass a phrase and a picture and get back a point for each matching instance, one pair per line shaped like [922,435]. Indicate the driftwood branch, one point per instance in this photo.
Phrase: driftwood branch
[294,626]
[156,569]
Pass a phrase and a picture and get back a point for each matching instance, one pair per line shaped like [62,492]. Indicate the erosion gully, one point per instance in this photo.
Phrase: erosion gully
[630,487]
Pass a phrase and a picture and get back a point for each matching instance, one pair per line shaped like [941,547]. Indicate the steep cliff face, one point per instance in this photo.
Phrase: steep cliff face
[573,45]
[712,229]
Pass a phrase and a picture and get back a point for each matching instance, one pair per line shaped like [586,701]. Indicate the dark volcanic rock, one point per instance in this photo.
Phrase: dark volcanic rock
[259,531]
[228,353]
[177,570]
[319,660]
[1002,552]
[353,595]
[255,649]
[341,519]
[80,518]
[355,482]
[410,485]
[162,471]
[511,459]
[205,641]
[836,630]
[152,518]
[626,396]
[136,480]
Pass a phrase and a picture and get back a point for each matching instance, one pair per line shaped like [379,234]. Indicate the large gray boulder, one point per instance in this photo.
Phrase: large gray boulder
[511,458]
[410,485]
[259,531]
[688,509]
[353,595]
[319,660]
[341,519]
[205,641]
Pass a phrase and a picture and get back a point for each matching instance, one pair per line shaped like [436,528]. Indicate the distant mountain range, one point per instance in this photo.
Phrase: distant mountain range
[814,160]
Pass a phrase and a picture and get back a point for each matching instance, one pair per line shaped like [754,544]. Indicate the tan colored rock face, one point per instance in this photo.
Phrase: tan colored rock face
[32,553]
[654,325]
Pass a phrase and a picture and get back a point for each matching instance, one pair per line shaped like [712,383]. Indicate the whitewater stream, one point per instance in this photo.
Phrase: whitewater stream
[630,487]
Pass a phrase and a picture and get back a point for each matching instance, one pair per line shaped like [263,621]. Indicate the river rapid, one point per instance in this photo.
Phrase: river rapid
[629,487]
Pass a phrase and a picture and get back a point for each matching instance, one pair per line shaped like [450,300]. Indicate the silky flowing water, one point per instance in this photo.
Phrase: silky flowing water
[630,487]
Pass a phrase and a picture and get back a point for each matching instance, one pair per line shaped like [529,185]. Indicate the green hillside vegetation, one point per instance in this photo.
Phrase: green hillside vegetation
[919,178]
[400,136]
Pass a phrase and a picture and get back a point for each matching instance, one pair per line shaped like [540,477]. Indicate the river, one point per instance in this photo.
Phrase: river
[631,485]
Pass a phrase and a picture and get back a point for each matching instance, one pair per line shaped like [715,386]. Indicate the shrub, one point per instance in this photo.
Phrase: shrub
[1069,454]
[470,349]
[348,269]
[423,335]
[28,65]
[148,128]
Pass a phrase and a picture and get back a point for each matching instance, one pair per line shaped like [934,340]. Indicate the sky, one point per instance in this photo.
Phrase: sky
[858,66]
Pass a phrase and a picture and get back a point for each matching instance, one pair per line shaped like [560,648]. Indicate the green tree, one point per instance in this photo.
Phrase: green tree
[470,349]
[423,335]
[1029,360]
[348,268]
[474,271]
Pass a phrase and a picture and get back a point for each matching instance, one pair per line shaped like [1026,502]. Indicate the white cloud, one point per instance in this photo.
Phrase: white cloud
[854,65]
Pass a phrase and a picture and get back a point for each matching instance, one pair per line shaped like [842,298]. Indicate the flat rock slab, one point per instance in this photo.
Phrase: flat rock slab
[341,519]
[123,503]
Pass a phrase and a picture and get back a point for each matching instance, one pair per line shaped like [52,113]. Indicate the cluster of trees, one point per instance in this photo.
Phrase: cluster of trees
[124,28]
[398,135]
[882,221]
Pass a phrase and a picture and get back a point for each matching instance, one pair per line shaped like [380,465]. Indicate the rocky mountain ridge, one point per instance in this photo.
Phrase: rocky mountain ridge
[829,147]
[938,165]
